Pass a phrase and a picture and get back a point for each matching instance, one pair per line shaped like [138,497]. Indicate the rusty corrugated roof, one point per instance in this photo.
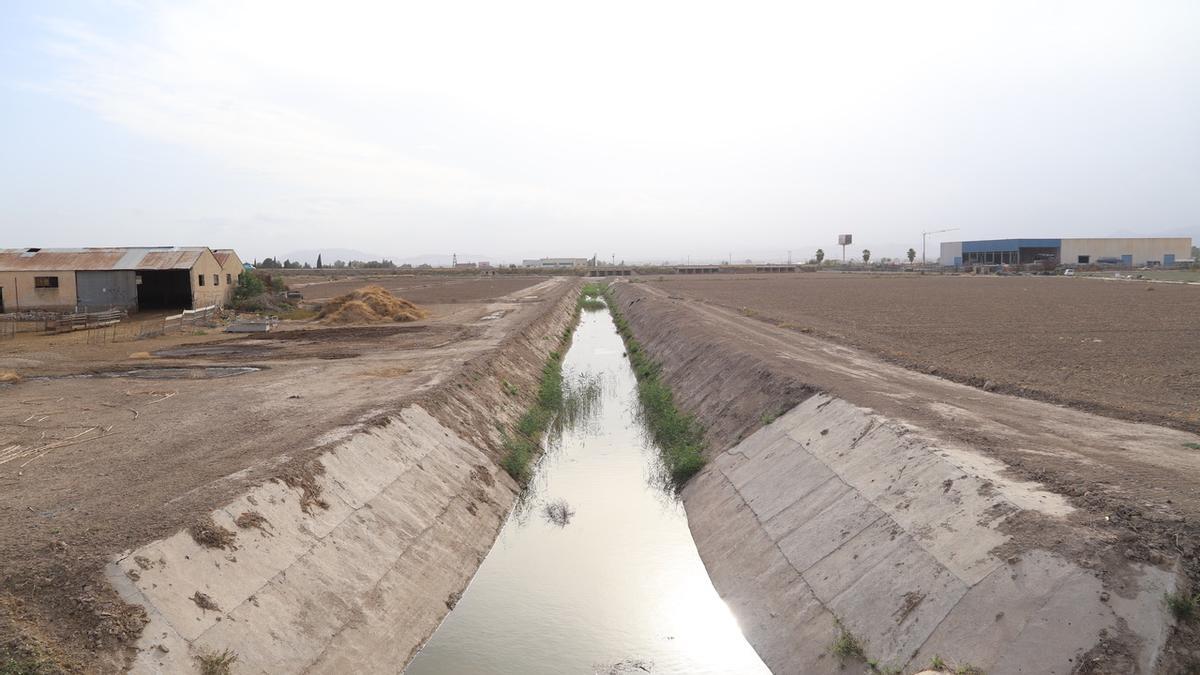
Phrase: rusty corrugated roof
[87,259]
[222,255]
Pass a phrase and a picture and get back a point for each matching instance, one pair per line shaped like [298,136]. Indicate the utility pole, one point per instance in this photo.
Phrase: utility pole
[925,235]
[789,256]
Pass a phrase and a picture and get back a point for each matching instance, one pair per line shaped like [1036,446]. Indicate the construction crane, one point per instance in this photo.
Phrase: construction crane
[924,235]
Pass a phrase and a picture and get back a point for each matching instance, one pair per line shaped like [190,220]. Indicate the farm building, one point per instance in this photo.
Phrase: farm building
[1126,252]
[232,268]
[91,279]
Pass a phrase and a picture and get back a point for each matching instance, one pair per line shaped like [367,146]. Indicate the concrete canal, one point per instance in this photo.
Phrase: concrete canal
[595,571]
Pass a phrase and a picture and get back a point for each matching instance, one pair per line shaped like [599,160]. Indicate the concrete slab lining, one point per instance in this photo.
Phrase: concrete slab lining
[328,590]
[835,515]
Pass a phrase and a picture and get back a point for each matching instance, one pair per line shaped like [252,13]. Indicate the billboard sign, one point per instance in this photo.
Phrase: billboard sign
[845,239]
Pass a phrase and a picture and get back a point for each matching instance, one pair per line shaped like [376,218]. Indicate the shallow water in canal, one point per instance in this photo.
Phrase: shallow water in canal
[618,588]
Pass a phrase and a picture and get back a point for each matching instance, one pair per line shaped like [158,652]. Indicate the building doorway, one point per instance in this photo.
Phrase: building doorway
[164,289]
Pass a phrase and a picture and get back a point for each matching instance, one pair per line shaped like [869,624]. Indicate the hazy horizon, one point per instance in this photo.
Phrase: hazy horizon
[646,131]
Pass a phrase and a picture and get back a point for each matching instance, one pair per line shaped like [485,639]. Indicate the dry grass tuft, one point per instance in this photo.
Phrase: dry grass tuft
[209,534]
[217,663]
[204,602]
[140,355]
[9,377]
[304,479]
[371,304]
[558,512]
[253,519]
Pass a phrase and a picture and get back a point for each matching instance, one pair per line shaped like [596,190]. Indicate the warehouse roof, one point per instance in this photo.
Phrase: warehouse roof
[222,255]
[89,259]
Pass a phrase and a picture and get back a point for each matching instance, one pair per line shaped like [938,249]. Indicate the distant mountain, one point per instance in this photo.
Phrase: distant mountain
[329,255]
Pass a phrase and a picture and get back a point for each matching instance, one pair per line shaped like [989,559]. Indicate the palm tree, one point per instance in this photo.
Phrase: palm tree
[866,256]
[820,255]
[912,255]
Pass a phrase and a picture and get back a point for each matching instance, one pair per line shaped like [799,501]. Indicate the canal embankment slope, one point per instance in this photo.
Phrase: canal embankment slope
[845,496]
[350,562]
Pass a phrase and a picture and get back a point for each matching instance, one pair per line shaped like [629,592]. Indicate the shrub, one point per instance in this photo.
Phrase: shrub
[1182,606]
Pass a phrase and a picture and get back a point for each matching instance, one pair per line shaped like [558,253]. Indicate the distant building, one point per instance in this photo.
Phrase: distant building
[1125,252]
[85,279]
[555,263]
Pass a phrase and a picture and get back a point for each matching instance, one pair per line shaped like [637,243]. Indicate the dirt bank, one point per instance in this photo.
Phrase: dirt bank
[423,290]
[925,516]
[171,453]
[1119,349]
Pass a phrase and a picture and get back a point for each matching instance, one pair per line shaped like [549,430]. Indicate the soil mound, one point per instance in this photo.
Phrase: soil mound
[370,304]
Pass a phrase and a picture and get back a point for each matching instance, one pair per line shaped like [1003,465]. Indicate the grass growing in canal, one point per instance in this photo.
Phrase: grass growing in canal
[678,434]
[522,445]
[589,299]
[594,290]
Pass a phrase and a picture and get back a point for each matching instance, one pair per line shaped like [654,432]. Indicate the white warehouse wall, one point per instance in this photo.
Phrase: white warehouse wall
[950,251]
[1142,249]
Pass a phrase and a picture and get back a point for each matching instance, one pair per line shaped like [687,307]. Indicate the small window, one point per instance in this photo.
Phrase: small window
[201,278]
[1085,259]
[228,279]
[45,282]
[216,280]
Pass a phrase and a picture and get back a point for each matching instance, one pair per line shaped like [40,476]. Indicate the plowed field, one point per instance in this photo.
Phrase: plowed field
[1126,349]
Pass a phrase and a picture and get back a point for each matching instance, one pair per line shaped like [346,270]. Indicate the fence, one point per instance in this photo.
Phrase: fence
[101,327]
[185,319]
[23,322]
[65,323]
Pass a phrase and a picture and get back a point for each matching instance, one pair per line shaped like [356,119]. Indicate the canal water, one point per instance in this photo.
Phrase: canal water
[618,588]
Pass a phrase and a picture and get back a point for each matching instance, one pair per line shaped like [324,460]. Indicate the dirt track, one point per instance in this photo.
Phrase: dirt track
[102,464]
[1123,349]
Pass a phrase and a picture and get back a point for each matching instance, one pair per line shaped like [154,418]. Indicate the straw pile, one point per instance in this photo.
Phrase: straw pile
[370,304]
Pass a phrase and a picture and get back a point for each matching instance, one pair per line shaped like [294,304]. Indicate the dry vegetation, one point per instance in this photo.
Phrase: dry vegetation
[211,535]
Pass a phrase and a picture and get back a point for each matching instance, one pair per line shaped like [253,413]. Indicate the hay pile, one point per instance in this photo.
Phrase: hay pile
[370,304]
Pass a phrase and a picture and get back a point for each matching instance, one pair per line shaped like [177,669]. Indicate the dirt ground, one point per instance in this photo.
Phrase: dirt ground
[1125,349]
[107,446]
[1135,485]
[423,290]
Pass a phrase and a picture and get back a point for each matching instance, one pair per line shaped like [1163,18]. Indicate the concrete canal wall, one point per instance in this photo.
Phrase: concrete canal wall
[351,565]
[816,516]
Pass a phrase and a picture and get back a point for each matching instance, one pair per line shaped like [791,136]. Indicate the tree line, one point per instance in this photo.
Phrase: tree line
[819,257]
[285,264]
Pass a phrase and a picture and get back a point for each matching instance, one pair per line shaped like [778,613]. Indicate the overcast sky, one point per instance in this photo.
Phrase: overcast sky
[648,130]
